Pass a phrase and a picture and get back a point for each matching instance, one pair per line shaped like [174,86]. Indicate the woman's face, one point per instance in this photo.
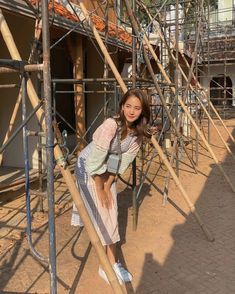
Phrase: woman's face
[132,109]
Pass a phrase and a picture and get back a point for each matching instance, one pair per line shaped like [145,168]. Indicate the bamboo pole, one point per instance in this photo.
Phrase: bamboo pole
[173,90]
[167,79]
[185,110]
[184,193]
[217,130]
[136,28]
[75,45]
[184,96]
[193,209]
[198,84]
[27,68]
[103,48]
[207,145]
[64,171]
[210,103]
[207,113]
[153,140]
[204,139]
[156,145]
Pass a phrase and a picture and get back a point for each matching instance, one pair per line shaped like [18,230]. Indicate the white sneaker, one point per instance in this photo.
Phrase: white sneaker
[103,275]
[122,273]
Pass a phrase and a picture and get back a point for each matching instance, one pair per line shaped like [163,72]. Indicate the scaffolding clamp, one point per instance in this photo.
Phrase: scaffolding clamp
[17,65]
[62,160]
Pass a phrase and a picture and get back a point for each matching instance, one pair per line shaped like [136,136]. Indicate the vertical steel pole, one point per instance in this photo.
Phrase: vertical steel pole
[39,147]
[198,118]
[26,159]
[177,81]
[208,67]
[27,180]
[197,136]
[49,143]
[106,66]
[116,100]
[54,101]
[134,199]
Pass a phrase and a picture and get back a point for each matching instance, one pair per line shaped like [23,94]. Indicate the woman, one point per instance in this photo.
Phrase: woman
[122,134]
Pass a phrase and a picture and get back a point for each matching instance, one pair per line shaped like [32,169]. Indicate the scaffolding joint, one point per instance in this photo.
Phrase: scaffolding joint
[13,64]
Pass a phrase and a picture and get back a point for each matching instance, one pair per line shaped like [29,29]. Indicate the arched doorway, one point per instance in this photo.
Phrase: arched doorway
[221,90]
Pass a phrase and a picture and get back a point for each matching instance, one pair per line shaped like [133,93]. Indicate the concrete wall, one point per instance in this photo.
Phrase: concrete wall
[225,10]
[60,68]
[94,68]
[22,31]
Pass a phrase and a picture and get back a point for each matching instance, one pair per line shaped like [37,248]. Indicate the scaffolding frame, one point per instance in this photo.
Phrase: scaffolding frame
[171,53]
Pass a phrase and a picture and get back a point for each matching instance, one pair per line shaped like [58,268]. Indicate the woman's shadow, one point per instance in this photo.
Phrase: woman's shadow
[125,208]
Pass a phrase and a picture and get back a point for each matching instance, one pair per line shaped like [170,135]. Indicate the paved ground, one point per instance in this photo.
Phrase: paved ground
[168,253]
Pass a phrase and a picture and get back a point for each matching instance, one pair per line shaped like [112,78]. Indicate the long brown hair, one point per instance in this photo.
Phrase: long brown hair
[140,125]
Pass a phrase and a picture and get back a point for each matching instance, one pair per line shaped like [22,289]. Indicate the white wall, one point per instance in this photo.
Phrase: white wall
[225,10]
[94,68]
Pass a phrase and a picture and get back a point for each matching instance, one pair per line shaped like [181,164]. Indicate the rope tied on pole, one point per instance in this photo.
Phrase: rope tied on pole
[61,138]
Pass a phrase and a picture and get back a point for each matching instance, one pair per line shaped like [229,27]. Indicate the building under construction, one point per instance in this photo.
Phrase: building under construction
[64,65]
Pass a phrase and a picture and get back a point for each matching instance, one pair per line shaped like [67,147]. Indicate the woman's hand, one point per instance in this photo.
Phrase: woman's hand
[105,197]
[103,185]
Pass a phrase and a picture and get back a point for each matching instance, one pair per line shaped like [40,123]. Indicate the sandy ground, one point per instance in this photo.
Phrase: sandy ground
[168,253]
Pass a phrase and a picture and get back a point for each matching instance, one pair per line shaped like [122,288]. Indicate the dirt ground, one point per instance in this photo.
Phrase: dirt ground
[168,253]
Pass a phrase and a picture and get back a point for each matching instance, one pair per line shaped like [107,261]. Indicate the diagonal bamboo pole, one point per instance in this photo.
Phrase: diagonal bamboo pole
[103,48]
[201,88]
[136,28]
[210,103]
[162,70]
[173,153]
[8,38]
[207,145]
[184,193]
[198,84]
[156,145]
[217,130]
[180,101]
[193,209]
[180,119]
[207,113]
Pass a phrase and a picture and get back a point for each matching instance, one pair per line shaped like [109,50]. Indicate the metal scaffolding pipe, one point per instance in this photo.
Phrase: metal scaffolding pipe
[180,100]
[146,58]
[134,74]
[49,143]
[7,36]
[27,179]
[26,68]
[155,143]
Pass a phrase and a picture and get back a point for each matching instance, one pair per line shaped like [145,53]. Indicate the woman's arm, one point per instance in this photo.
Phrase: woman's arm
[109,181]
[96,163]
[102,137]
[129,156]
